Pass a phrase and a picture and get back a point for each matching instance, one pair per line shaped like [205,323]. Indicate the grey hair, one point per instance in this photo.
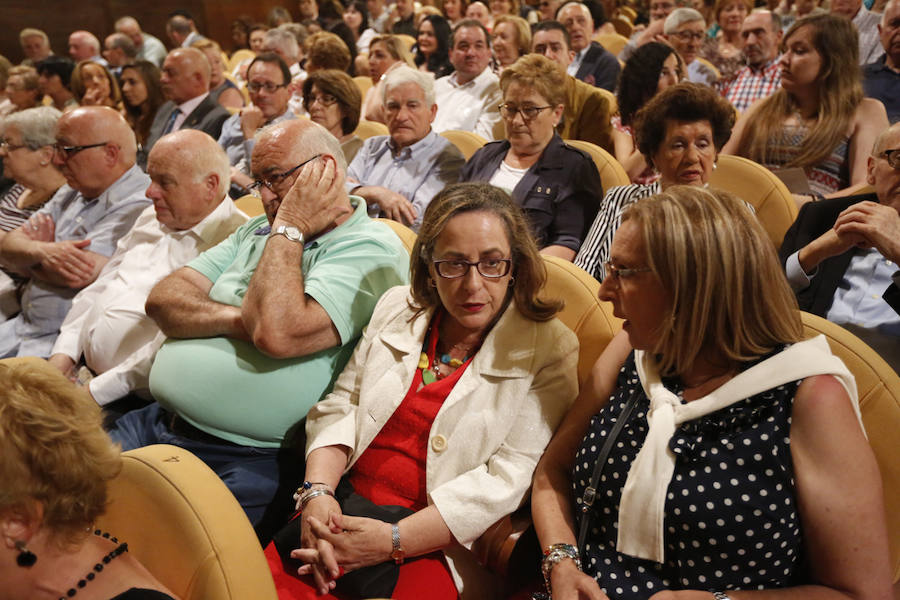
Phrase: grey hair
[406,74]
[123,43]
[36,125]
[679,17]
[880,142]
[125,21]
[313,138]
[285,40]
[32,32]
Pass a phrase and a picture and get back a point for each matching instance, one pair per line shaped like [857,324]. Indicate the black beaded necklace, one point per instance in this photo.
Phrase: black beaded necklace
[98,568]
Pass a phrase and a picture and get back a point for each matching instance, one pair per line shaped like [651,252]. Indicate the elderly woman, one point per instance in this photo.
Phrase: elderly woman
[433,46]
[511,39]
[333,101]
[57,462]
[94,85]
[386,52]
[679,132]
[22,88]
[710,446]
[557,185]
[465,370]
[221,89]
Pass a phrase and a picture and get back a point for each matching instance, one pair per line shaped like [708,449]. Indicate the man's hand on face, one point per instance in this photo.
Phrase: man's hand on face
[315,201]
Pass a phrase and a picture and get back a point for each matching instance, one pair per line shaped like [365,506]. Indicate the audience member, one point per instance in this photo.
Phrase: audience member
[118,51]
[557,186]
[840,254]
[587,112]
[345,35]
[93,85]
[283,43]
[680,131]
[399,174]
[240,33]
[454,11]
[326,50]
[107,329]
[84,45]
[723,50]
[798,10]
[149,48]
[257,37]
[685,30]
[418,454]
[278,16]
[333,101]
[405,18]
[54,80]
[651,69]
[881,79]
[378,16]
[141,98]
[866,25]
[819,119]
[22,88]
[719,476]
[479,11]
[35,45]
[503,7]
[185,84]
[761,33]
[469,98]
[386,52]
[57,463]
[309,11]
[182,31]
[272,312]
[63,247]
[548,8]
[432,50]
[356,17]
[221,89]
[511,39]
[653,32]
[268,81]
[592,63]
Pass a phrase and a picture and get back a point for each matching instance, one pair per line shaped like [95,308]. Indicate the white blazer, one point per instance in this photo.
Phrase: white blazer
[491,430]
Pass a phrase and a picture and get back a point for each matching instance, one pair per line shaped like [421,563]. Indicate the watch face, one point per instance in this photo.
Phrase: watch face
[290,232]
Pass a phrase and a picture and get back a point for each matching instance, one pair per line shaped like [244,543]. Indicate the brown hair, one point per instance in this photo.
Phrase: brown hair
[325,50]
[341,86]
[79,89]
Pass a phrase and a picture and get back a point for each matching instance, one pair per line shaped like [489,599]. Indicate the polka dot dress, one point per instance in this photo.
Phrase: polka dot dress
[731,518]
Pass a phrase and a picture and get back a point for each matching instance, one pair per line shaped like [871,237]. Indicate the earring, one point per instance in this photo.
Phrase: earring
[512,280]
[26,557]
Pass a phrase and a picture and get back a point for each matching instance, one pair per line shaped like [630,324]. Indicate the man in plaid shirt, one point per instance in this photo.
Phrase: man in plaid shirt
[761,32]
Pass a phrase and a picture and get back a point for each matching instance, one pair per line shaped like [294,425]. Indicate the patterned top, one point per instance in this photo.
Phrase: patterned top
[731,520]
[750,85]
[830,175]
[728,67]
[11,216]
[649,175]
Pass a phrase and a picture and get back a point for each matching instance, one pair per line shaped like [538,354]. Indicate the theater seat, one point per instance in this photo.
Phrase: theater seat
[363,83]
[406,235]
[184,525]
[879,402]
[238,57]
[250,205]
[613,42]
[367,129]
[466,142]
[612,173]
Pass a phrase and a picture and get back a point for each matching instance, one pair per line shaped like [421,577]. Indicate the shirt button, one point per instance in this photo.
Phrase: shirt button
[438,443]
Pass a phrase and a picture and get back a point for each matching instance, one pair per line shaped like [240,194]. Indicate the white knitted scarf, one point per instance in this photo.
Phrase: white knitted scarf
[642,508]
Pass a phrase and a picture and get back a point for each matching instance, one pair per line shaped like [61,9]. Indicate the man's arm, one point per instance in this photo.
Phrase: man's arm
[393,205]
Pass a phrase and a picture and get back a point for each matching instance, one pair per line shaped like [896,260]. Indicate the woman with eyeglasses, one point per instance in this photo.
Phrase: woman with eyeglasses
[334,101]
[438,419]
[701,459]
[679,132]
[557,186]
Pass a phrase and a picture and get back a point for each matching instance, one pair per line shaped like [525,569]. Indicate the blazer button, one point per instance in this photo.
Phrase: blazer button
[438,443]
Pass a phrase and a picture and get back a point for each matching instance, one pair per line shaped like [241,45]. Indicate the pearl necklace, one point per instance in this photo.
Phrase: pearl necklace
[98,568]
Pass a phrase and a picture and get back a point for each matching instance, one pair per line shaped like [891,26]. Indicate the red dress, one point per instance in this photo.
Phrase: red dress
[392,471]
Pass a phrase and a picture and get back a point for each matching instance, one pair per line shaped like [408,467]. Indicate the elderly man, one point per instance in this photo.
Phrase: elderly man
[586,115]
[399,174]
[63,247]
[283,43]
[592,64]
[107,325]
[881,78]
[260,325]
[841,254]
[185,83]
[84,45]
[119,50]
[470,97]
[35,45]
[268,79]
[685,30]
[761,34]
[866,24]
[182,31]
[149,48]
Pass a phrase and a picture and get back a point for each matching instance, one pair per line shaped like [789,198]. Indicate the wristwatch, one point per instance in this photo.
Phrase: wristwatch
[290,232]
[397,553]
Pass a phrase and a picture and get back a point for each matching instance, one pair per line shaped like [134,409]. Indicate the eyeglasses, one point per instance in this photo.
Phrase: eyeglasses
[686,36]
[255,86]
[69,151]
[276,179]
[492,268]
[323,99]
[529,113]
[619,273]
[892,157]
[5,145]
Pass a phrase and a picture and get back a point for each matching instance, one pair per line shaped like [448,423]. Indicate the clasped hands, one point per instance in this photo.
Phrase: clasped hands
[66,259]
[865,225]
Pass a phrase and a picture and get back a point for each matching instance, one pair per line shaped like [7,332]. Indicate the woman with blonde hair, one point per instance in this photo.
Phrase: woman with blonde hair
[700,458]
[386,52]
[819,119]
[94,85]
[511,39]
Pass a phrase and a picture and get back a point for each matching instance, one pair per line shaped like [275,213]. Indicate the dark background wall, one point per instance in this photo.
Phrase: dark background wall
[59,18]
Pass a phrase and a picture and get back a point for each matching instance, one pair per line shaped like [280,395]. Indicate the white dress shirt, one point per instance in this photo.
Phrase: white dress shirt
[107,324]
[472,106]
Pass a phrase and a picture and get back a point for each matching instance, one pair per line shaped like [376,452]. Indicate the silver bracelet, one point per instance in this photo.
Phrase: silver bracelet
[720,595]
[553,555]
[309,495]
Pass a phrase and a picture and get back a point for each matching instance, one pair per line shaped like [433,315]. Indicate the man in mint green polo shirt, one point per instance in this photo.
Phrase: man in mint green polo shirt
[260,326]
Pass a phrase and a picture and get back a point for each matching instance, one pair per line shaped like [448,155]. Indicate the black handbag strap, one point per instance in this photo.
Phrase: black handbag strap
[590,492]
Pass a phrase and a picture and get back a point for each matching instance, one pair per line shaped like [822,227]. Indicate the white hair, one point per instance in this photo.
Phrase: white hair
[285,40]
[405,74]
[37,126]
[679,17]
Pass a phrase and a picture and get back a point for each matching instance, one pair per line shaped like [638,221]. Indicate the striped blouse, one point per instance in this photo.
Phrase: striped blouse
[11,216]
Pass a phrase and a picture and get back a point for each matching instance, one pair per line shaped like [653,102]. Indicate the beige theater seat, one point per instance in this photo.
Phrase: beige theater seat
[406,235]
[467,142]
[367,129]
[612,173]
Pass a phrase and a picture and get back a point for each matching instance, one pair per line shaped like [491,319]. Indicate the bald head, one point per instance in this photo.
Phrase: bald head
[130,27]
[887,139]
[189,175]
[83,45]
[178,28]
[185,75]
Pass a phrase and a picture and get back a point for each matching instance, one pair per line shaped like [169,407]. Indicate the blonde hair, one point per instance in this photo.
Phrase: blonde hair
[396,47]
[536,71]
[730,300]
[54,449]
[523,31]
[840,90]
[79,89]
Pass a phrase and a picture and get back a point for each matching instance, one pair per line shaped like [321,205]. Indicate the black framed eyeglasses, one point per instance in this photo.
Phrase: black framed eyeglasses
[255,86]
[323,99]
[620,273]
[68,152]
[492,268]
[528,112]
[892,157]
[276,179]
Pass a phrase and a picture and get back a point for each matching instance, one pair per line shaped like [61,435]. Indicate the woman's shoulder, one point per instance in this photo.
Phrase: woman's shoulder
[872,112]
